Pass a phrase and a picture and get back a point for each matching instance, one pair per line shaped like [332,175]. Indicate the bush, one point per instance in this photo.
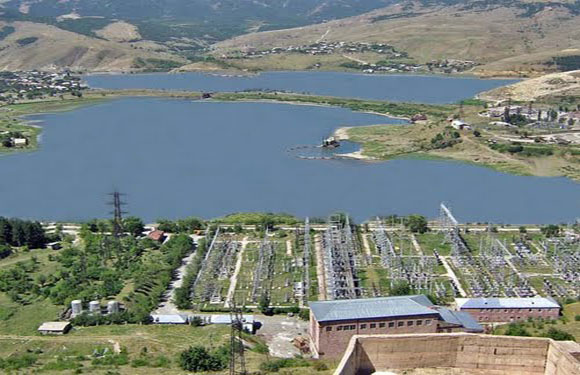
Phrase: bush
[261,348]
[559,335]
[276,364]
[320,366]
[517,329]
[16,362]
[198,358]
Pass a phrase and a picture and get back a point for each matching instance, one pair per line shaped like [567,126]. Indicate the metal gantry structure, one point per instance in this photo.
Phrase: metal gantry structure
[264,271]
[340,260]
[417,271]
[306,262]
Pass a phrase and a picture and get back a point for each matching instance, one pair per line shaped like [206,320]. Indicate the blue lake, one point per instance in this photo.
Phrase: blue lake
[175,158]
[407,88]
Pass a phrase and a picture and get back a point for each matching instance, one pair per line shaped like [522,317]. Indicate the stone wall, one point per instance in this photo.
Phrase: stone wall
[475,354]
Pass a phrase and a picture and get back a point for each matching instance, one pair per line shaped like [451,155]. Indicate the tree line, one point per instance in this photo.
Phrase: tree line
[17,233]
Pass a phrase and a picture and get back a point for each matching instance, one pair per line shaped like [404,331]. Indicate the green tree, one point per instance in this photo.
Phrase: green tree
[264,305]
[198,358]
[416,223]
[401,288]
[551,230]
[133,225]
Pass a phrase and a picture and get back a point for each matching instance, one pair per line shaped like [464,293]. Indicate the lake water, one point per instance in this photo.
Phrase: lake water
[175,158]
[407,88]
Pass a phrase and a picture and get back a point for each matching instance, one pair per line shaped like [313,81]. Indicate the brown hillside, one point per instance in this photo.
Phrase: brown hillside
[55,48]
[499,37]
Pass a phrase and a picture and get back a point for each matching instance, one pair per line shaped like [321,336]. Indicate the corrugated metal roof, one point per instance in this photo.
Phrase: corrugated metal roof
[467,321]
[169,319]
[54,326]
[460,318]
[226,319]
[508,303]
[369,308]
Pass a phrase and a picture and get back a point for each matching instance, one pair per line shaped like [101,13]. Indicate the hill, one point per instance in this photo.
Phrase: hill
[504,37]
[27,45]
[555,86]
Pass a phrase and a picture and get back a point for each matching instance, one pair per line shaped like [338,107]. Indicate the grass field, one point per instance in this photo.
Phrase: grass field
[566,323]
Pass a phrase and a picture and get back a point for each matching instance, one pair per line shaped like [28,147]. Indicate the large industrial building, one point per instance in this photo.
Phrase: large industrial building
[333,323]
[490,310]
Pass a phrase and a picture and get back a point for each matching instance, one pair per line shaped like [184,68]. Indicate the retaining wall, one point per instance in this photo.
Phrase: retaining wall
[475,354]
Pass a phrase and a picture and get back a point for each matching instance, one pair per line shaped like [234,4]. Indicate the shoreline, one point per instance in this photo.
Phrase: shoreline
[242,73]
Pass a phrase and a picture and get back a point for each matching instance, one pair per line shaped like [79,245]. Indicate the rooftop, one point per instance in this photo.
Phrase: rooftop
[54,326]
[352,309]
[508,303]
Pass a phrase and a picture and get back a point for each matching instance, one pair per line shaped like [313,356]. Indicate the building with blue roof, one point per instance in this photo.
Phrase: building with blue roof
[333,323]
[495,310]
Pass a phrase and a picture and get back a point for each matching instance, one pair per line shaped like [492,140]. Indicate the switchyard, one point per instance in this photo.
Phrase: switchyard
[337,259]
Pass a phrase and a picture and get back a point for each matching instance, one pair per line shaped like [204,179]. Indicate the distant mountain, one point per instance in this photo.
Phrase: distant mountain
[272,13]
[169,31]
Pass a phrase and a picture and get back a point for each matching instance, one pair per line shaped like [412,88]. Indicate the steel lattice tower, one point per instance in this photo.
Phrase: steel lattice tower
[237,358]
[117,213]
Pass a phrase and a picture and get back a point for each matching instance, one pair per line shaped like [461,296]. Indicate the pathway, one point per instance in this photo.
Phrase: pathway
[168,307]
[289,248]
[320,268]
[452,276]
[234,278]
[366,246]
[416,244]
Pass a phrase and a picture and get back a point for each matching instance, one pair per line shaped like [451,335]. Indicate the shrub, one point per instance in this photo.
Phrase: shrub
[198,358]
[559,335]
[320,366]
[517,329]
[261,348]
[16,362]
[276,364]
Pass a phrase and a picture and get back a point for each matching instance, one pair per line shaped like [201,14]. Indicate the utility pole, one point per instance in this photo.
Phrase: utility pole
[117,213]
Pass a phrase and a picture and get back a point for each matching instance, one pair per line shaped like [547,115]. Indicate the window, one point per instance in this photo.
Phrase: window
[339,328]
[428,322]
[373,325]
[409,323]
[328,329]
[391,324]
[382,325]
[352,327]
[363,326]
[419,322]
[400,324]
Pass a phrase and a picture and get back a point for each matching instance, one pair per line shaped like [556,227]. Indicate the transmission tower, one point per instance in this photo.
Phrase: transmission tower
[117,213]
[237,358]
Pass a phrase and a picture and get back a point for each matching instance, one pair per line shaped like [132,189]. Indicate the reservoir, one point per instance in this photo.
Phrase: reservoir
[402,88]
[176,158]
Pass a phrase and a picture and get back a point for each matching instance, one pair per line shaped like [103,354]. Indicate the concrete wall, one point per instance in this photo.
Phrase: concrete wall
[476,354]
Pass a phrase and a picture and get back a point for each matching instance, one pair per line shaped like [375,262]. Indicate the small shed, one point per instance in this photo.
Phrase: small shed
[157,235]
[460,125]
[19,142]
[54,328]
